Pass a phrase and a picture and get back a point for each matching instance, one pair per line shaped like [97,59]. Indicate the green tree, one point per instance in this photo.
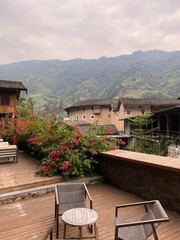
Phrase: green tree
[25,106]
[140,127]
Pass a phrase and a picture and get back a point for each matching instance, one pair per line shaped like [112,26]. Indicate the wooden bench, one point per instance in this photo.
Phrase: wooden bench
[8,152]
[2,144]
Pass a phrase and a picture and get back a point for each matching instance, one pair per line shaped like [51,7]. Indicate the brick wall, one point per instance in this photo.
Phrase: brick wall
[148,182]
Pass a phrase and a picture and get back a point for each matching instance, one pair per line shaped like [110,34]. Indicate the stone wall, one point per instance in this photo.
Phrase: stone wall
[142,179]
[38,192]
[173,152]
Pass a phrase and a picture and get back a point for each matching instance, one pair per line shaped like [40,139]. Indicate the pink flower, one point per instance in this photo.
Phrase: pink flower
[94,152]
[46,168]
[78,134]
[64,148]
[122,142]
[104,138]
[76,142]
[109,131]
[32,140]
[75,126]
[55,136]
[85,149]
[54,154]
[112,147]
[29,122]
[64,165]
[91,140]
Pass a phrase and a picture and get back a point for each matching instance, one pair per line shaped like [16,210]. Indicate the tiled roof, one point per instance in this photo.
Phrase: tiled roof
[76,122]
[84,127]
[175,109]
[151,102]
[12,85]
[112,128]
[113,103]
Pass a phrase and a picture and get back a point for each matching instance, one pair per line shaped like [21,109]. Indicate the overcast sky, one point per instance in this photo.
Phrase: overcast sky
[67,29]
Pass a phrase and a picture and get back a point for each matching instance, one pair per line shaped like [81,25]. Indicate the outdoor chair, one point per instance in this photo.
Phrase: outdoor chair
[48,234]
[68,196]
[141,229]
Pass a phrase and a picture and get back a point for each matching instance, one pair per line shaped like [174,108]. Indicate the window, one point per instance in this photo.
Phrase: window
[142,111]
[92,117]
[84,117]
[77,117]
[5,100]
[128,112]
[96,110]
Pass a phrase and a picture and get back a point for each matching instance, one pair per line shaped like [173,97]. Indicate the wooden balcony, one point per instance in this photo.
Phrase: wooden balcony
[29,219]
[7,109]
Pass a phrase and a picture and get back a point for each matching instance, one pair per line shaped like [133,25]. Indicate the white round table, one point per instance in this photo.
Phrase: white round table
[80,217]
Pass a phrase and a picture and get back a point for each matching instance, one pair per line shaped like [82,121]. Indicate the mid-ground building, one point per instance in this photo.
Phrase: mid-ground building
[9,94]
[116,111]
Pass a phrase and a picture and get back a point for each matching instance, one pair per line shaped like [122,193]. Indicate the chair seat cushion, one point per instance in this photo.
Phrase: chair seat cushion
[130,233]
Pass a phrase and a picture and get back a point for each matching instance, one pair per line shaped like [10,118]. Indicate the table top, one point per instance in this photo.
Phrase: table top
[80,216]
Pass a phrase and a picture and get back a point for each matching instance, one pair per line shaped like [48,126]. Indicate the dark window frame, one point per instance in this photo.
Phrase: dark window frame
[5,100]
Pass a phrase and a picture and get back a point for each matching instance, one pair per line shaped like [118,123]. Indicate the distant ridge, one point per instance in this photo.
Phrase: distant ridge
[57,83]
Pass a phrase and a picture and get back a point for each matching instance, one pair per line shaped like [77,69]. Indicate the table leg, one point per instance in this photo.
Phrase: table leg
[64,234]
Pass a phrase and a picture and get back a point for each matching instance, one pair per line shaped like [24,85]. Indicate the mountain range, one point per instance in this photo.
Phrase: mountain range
[57,83]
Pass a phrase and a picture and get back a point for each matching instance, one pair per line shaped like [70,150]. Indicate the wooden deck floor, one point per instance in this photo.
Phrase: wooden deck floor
[21,175]
[29,219]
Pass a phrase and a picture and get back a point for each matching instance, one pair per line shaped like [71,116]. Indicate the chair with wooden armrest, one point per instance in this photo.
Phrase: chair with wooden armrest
[145,227]
[70,195]
[49,233]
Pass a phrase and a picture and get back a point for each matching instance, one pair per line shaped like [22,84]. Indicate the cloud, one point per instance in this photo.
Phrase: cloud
[66,29]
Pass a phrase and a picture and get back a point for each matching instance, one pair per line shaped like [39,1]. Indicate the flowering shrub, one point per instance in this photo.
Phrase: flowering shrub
[66,168]
[122,143]
[62,148]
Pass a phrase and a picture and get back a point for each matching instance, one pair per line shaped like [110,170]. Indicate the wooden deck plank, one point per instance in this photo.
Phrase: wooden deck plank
[21,175]
[29,219]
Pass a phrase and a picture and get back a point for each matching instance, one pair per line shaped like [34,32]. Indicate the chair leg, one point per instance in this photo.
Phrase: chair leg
[51,235]
[116,233]
[90,228]
[64,234]
[96,231]
[57,226]
[56,220]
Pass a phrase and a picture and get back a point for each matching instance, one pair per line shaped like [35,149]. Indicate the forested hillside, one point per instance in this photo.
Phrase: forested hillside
[56,83]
